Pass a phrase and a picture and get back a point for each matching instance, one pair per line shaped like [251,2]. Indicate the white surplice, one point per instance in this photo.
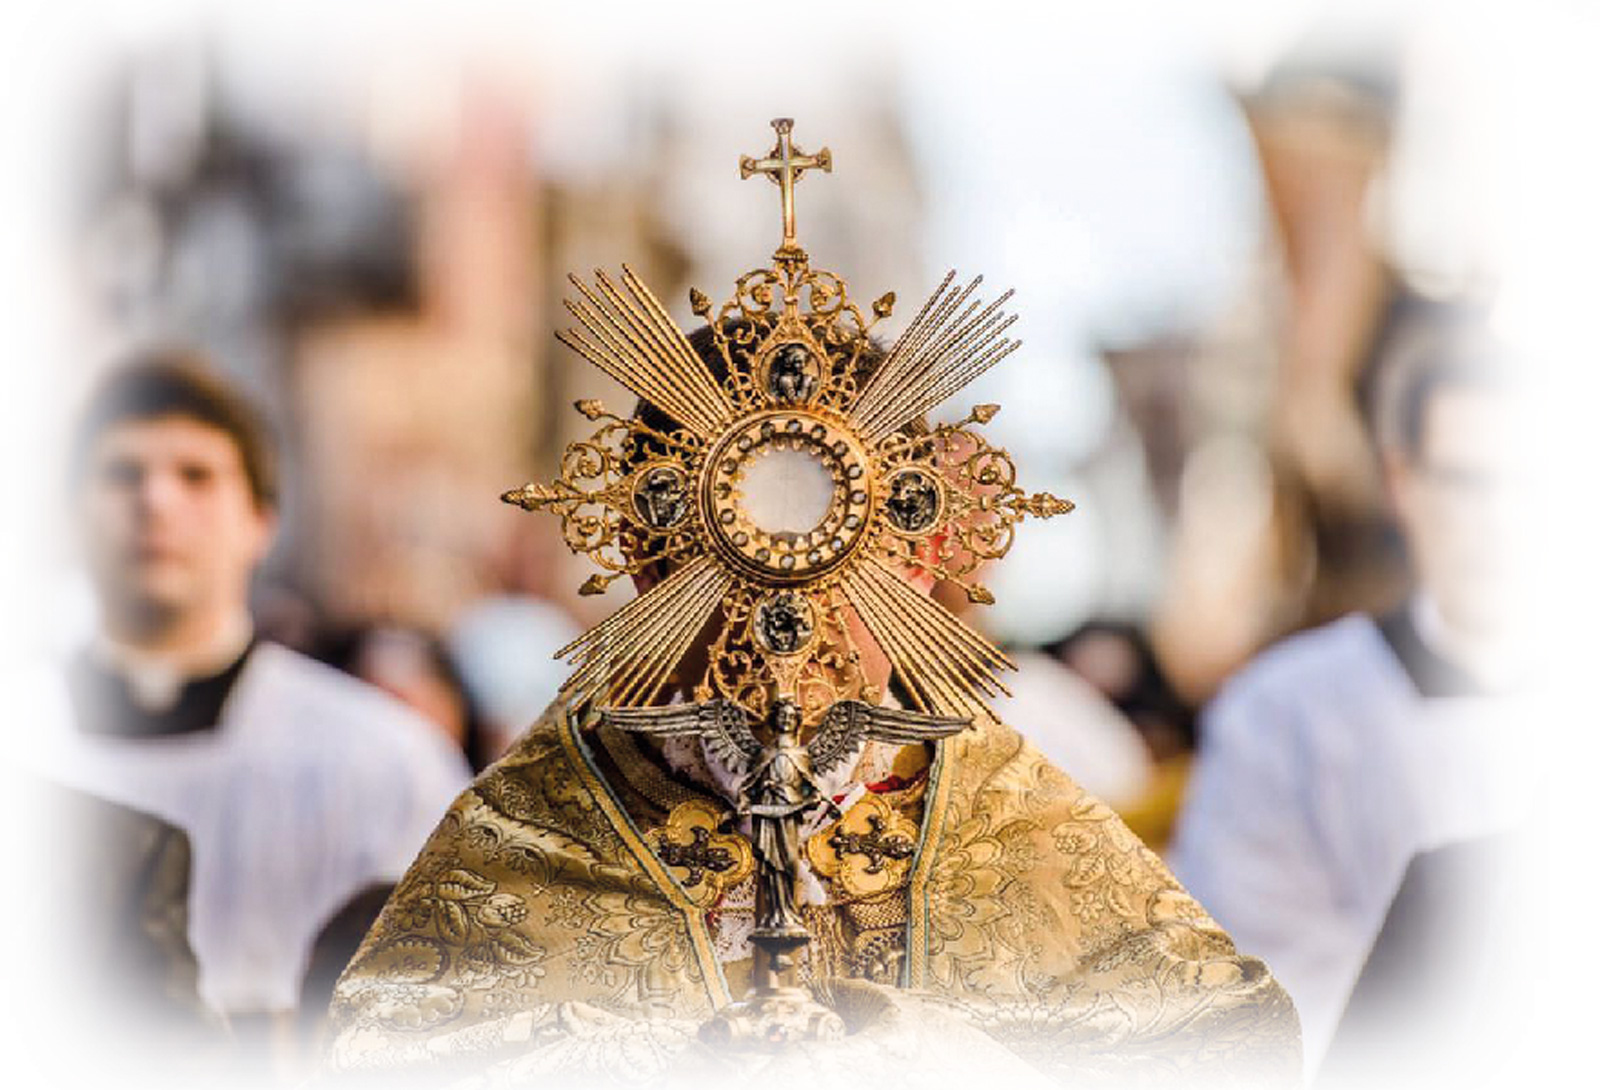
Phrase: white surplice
[313,787]
[1322,772]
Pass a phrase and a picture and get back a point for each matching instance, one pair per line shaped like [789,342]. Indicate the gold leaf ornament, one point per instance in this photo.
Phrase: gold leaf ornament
[706,861]
[868,851]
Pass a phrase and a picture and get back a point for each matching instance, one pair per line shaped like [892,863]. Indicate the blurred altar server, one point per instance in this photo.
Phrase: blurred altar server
[296,786]
[1341,755]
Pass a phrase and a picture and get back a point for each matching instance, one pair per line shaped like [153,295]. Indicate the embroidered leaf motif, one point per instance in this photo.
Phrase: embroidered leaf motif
[458,885]
[517,948]
[1086,870]
[452,921]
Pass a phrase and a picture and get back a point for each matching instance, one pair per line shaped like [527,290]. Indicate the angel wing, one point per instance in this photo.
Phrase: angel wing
[722,723]
[850,722]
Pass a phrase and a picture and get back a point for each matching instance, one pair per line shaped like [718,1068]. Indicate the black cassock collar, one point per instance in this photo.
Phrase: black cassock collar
[103,703]
[1432,675]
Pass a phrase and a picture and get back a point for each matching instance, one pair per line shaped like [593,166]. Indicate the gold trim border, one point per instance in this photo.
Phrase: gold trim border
[918,926]
[699,935]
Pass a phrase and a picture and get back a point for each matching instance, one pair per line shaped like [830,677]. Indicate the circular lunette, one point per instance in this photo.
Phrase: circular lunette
[785,557]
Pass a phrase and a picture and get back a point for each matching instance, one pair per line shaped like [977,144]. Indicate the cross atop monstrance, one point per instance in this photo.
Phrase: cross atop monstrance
[784,165]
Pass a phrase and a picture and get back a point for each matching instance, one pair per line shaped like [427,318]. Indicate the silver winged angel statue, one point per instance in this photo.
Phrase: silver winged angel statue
[779,785]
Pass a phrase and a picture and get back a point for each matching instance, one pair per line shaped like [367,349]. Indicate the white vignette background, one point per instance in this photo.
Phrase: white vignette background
[1537,65]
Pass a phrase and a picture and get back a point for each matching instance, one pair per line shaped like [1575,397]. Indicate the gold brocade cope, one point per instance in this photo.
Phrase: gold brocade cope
[539,933]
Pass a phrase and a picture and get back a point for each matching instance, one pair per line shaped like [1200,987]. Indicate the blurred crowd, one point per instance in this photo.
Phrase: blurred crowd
[1271,637]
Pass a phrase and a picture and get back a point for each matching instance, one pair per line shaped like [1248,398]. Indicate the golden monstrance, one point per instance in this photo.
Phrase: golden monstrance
[797,489]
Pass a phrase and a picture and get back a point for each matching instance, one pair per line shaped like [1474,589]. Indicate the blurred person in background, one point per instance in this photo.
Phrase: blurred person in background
[114,911]
[415,668]
[295,786]
[1341,756]
[504,644]
[1280,518]
[1116,660]
[1115,657]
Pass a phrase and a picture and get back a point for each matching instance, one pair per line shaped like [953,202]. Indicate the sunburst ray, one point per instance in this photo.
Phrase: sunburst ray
[943,662]
[948,344]
[626,658]
[631,337]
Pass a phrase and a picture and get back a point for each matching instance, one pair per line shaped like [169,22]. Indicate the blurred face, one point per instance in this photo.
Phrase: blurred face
[170,525]
[1455,506]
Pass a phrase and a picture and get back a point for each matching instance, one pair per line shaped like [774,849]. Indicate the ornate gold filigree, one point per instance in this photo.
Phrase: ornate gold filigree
[801,377]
